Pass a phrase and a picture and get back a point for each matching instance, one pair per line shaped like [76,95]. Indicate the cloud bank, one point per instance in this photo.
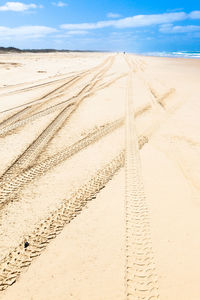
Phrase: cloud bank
[165,23]
[135,21]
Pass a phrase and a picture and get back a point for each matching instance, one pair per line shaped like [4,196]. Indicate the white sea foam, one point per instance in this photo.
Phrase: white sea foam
[186,54]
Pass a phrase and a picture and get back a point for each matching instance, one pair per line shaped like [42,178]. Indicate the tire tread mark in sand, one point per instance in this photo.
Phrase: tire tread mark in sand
[34,84]
[51,109]
[55,93]
[12,187]
[15,117]
[18,118]
[35,102]
[24,112]
[50,82]
[30,154]
[21,257]
[161,99]
[140,276]
[44,112]
[30,87]
[19,123]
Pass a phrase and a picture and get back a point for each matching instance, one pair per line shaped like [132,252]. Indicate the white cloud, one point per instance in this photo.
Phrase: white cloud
[195,14]
[175,9]
[25,32]
[135,21]
[77,32]
[72,33]
[169,28]
[17,6]
[83,26]
[149,20]
[113,15]
[60,4]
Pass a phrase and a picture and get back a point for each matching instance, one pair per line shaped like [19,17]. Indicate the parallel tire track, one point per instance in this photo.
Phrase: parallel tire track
[19,116]
[159,99]
[26,120]
[35,104]
[12,187]
[71,78]
[15,117]
[140,276]
[31,153]
[21,257]
[53,94]
[53,81]
[51,109]
[30,87]
[14,121]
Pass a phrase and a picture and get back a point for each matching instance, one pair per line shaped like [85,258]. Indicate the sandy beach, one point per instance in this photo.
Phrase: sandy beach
[99,177]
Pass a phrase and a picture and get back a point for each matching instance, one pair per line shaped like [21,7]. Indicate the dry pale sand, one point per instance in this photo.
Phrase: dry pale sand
[100,177]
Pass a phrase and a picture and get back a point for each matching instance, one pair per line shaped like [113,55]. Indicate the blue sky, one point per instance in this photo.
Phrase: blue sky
[115,25]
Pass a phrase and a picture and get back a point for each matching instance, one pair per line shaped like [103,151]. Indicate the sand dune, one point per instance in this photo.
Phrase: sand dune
[99,177]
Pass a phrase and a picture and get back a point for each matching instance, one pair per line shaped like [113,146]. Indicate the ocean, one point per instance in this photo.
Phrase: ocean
[186,54]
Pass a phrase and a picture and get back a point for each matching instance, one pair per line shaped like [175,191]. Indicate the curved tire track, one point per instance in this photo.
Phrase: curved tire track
[53,94]
[12,187]
[36,85]
[52,109]
[31,153]
[21,257]
[30,87]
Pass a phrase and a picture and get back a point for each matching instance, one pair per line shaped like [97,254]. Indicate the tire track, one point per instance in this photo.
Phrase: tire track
[19,116]
[35,83]
[140,275]
[52,109]
[30,87]
[32,245]
[110,82]
[11,119]
[35,102]
[31,153]
[20,123]
[142,110]
[12,187]
[157,98]
[55,93]
[24,112]
[161,99]
[53,81]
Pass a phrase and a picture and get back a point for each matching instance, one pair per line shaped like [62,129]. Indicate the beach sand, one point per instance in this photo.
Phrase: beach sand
[100,177]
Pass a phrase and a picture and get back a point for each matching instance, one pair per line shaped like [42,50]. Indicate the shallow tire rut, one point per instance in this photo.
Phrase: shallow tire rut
[25,115]
[32,245]
[12,187]
[31,153]
[140,275]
